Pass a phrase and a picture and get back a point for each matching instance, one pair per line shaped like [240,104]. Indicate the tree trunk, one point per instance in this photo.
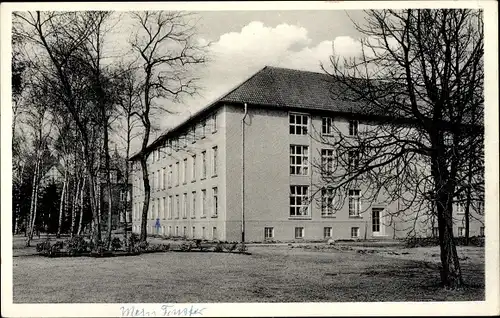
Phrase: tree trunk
[34,195]
[74,205]
[147,195]
[61,204]
[82,191]
[451,274]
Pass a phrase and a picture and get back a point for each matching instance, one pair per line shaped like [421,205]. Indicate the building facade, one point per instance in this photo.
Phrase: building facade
[241,169]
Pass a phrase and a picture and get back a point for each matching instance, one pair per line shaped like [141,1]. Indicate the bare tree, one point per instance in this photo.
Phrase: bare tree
[166,49]
[419,81]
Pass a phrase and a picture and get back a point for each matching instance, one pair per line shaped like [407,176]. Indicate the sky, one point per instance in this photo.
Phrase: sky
[243,42]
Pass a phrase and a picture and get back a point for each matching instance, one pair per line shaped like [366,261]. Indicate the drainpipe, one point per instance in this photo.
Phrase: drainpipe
[243,174]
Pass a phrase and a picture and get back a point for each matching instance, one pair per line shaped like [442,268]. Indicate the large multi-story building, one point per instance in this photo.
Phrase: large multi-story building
[243,165]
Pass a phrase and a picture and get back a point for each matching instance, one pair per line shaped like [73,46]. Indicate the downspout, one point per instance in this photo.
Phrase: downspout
[243,174]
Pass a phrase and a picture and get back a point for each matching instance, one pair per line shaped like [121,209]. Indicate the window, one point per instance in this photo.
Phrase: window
[203,233]
[215,202]
[353,159]
[353,127]
[327,232]
[354,232]
[327,202]
[203,201]
[164,151]
[184,170]
[327,160]
[177,173]
[481,231]
[298,124]
[193,232]
[184,206]
[203,164]
[461,231]
[164,175]
[327,126]
[184,231]
[214,233]
[214,123]
[460,208]
[169,173]
[162,208]
[170,207]
[176,231]
[193,205]
[299,232]
[175,144]
[150,211]
[158,180]
[177,206]
[268,232]
[193,169]
[214,161]
[299,160]
[354,203]
[203,129]
[299,201]
[152,181]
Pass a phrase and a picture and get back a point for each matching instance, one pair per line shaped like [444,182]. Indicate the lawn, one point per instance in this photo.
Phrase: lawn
[270,274]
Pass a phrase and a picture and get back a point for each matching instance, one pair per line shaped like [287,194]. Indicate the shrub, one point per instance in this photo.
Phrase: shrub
[98,247]
[116,243]
[186,247]
[242,248]
[43,247]
[133,240]
[142,246]
[56,248]
[230,247]
[218,248]
[77,245]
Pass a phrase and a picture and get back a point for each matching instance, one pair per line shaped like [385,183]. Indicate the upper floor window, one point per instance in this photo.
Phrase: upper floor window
[353,127]
[327,126]
[327,202]
[299,160]
[353,159]
[460,208]
[354,202]
[203,164]
[299,201]
[203,128]
[214,123]
[214,160]
[298,124]
[327,160]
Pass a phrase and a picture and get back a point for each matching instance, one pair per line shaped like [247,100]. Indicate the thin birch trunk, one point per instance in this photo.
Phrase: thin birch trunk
[74,205]
[62,203]
[82,192]
[33,203]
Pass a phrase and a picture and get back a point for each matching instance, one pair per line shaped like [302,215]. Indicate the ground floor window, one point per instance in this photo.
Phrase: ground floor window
[327,232]
[354,232]
[193,232]
[203,233]
[268,232]
[176,231]
[481,231]
[461,231]
[214,233]
[184,231]
[299,232]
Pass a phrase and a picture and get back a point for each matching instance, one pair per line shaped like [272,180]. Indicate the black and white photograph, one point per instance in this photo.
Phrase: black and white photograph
[249,159]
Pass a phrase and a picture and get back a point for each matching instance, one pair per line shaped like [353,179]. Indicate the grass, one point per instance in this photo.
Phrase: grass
[270,274]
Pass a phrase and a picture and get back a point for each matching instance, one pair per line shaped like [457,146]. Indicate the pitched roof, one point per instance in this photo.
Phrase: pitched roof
[276,87]
[281,87]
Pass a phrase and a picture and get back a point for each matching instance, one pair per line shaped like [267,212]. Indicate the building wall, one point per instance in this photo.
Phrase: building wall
[267,186]
[168,224]
[268,181]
